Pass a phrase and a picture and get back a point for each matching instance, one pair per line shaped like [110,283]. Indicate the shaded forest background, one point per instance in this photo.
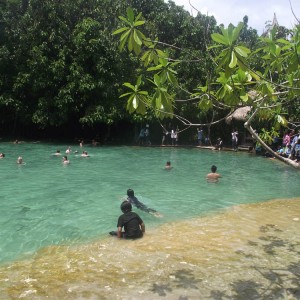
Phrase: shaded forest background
[61,72]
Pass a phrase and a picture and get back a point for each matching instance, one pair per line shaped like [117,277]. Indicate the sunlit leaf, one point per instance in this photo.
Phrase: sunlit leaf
[134,103]
[139,23]
[219,39]
[243,51]
[136,38]
[233,60]
[120,30]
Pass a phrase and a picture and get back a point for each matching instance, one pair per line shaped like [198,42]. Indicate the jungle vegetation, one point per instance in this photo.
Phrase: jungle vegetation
[62,71]
[240,71]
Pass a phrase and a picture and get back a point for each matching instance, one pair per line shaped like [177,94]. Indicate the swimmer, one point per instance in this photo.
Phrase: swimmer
[2,155]
[84,154]
[65,160]
[213,176]
[20,160]
[134,201]
[57,153]
[168,165]
[68,151]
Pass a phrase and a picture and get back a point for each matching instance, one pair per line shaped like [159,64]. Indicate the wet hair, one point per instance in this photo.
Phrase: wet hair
[130,193]
[126,206]
[213,168]
[168,163]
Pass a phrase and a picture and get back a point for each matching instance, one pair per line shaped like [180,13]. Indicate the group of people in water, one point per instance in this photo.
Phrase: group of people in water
[65,159]
[69,151]
[130,225]
[19,159]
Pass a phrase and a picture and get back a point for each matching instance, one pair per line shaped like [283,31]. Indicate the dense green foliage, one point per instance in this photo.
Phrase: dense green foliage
[60,64]
[261,75]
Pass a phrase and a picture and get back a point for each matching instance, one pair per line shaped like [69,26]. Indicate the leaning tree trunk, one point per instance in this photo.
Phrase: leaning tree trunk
[267,148]
[247,125]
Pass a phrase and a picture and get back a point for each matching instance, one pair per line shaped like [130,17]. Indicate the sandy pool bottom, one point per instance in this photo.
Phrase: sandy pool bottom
[247,252]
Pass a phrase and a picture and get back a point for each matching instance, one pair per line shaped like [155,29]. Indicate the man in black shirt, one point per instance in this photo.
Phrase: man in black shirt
[133,225]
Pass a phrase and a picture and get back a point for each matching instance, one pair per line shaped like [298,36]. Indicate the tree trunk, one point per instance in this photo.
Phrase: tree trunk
[268,149]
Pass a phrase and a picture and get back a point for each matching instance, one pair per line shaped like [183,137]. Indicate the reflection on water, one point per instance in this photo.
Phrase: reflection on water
[247,252]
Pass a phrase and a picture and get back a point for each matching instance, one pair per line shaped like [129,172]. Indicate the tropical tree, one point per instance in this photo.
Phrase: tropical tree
[269,89]
[59,64]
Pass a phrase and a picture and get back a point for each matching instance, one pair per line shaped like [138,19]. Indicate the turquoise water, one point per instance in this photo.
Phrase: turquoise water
[47,203]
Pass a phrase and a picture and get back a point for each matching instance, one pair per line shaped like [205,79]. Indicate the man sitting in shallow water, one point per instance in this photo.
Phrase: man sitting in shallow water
[133,225]
[213,176]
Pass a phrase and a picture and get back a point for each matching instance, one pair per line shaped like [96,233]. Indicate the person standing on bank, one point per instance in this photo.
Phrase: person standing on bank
[234,138]
[147,136]
[173,137]
[200,136]
[133,225]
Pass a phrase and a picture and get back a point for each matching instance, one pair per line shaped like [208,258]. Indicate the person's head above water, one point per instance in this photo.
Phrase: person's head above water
[130,193]
[168,165]
[213,168]
[126,207]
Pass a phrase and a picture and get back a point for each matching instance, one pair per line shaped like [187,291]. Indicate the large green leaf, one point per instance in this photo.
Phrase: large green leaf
[243,51]
[136,38]
[233,60]
[139,23]
[129,85]
[220,39]
[236,31]
[130,15]
[120,30]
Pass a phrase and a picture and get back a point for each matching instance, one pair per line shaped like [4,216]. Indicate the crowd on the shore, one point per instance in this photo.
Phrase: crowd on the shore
[290,145]
[287,146]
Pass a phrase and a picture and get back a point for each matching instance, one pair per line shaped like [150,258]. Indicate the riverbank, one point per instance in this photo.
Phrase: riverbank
[249,251]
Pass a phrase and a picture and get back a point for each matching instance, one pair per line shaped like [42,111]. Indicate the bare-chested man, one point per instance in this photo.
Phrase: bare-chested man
[213,176]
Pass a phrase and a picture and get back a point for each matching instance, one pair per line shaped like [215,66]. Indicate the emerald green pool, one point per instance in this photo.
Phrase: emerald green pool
[229,239]
[44,202]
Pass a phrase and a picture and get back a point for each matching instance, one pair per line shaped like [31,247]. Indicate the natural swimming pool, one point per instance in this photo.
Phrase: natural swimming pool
[48,208]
